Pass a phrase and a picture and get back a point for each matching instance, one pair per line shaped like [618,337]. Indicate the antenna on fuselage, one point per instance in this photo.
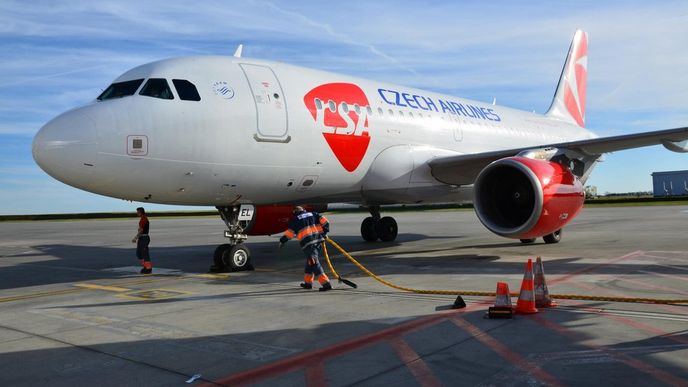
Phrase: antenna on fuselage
[237,53]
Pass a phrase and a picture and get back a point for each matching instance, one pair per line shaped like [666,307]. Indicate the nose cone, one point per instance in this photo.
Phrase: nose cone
[66,148]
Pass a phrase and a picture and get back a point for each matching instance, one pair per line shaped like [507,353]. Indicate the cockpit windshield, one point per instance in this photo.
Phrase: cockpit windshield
[120,89]
[157,88]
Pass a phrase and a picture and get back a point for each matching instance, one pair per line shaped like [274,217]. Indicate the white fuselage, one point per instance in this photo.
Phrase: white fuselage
[259,136]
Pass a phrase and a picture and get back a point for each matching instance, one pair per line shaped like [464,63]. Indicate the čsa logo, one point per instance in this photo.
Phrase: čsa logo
[340,110]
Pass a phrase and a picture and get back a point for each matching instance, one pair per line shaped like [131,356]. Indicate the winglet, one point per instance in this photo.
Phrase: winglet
[237,53]
[569,99]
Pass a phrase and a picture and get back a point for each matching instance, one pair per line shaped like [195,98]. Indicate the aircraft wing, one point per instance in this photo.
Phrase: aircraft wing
[463,169]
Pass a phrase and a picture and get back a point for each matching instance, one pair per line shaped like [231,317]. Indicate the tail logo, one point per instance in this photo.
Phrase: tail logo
[340,110]
[575,82]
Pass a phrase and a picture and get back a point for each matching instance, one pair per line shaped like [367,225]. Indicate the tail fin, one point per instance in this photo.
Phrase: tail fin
[569,99]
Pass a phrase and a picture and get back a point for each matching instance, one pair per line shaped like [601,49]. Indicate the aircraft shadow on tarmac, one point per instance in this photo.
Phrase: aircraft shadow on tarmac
[148,354]
[70,263]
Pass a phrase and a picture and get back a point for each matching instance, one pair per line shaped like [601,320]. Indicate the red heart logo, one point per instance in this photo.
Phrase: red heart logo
[339,109]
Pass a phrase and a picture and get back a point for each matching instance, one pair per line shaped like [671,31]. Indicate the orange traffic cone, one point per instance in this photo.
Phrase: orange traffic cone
[502,307]
[526,300]
[542,298]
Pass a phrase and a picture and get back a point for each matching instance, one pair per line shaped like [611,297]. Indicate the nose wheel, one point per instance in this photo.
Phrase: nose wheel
[228,257]
[374,227]
[232,256]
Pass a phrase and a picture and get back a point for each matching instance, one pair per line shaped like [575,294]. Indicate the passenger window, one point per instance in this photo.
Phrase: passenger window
[379,111]
[120,89]
[186,90]
[318,104]
[157,88]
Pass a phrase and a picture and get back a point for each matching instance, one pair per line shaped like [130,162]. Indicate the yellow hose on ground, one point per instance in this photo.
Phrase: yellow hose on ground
[486,294]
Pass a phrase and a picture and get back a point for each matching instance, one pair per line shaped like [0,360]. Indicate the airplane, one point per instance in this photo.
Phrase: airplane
[254,137]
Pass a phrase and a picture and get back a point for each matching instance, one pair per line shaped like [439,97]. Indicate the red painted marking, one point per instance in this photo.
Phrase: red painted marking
[319,355]
[315,376]
[349,148]
[629,361]
[506,353]
[652,286]
[568,277]
[598,290]
[670,276]
[631,323]
[419,369]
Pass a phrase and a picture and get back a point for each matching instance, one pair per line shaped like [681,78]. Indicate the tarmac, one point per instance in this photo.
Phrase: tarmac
[75,311]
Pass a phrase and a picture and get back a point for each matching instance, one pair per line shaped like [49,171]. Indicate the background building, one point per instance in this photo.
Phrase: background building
[670,183]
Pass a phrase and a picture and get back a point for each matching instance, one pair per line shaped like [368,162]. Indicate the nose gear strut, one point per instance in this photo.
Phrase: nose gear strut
[232,256]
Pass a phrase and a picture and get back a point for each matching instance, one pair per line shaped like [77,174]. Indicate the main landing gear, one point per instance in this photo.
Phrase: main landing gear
[554,237]
[374,227]
[232,256]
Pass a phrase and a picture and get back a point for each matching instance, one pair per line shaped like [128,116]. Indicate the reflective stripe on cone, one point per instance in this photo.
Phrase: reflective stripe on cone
[526,300]
[542,298]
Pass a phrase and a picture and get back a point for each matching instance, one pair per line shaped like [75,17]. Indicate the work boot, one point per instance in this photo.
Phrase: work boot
[146,271]
[326,286]
[306,286]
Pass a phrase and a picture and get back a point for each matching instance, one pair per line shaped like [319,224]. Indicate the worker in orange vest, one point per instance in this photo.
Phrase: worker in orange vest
[311,230]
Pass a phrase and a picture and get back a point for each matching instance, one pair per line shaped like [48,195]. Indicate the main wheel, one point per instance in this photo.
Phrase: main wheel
[368,229]
[554,237]
[526,241]
[387,229]
[218,264]
[237,258]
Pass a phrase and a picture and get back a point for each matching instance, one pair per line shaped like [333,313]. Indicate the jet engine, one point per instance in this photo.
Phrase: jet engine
[523,198]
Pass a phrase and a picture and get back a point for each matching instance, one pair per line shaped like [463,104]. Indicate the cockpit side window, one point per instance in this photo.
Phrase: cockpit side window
[120,89]
[157,88]
[186,90]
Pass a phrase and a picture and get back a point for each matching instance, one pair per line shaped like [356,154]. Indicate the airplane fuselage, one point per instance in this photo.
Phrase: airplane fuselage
[265,132]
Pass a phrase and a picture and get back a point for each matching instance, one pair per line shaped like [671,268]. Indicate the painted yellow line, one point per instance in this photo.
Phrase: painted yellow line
[102,287]
[37,295]
[78,288]
[211,276]
[152,294]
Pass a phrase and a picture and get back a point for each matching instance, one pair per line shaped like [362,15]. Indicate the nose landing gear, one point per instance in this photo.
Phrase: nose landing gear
[375,227]
[232,256]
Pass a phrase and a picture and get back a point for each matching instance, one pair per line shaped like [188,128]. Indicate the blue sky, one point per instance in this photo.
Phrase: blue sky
[58,55]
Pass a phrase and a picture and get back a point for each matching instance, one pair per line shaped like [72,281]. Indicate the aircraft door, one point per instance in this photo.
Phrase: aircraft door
[271,108]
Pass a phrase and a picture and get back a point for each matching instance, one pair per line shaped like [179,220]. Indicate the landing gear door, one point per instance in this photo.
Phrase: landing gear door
[271,108]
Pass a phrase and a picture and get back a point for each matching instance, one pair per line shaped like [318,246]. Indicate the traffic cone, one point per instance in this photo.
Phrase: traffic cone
[542,298]
[502,307]
[526,300]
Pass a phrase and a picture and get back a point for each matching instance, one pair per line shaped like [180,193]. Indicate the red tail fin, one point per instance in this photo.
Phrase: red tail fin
[569,100]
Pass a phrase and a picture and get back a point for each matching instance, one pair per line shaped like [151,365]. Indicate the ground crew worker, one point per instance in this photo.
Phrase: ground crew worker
[142,241]
[311,230]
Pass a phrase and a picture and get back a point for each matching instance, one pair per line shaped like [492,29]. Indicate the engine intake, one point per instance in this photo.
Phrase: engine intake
[522,198]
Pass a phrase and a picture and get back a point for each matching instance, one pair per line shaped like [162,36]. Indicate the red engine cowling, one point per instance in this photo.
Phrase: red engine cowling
[522,198]
[273,219]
